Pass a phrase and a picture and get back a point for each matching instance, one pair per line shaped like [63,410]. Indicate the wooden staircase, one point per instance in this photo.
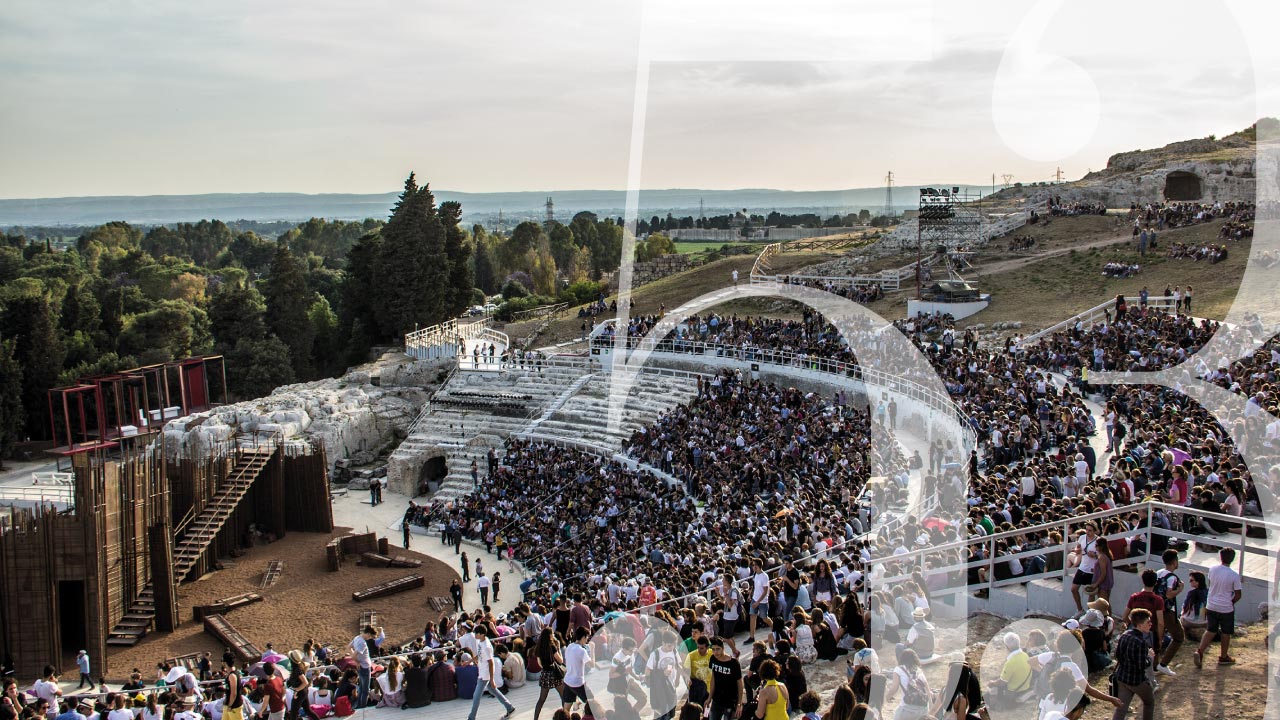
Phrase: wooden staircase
[199,534]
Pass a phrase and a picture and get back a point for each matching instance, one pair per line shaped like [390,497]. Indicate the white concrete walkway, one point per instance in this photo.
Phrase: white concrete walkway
[354,510]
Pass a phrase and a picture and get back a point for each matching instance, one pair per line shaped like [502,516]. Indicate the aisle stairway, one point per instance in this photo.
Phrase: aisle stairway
[466,433]
[198,535]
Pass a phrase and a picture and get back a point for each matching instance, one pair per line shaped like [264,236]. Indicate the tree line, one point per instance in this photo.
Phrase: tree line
[305,305]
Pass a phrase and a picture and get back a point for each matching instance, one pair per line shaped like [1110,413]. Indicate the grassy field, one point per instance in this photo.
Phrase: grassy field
[689,247]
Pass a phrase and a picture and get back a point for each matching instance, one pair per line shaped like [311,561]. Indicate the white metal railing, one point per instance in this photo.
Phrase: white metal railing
[843,370]
[53,478]
[913,559]
[760,271]
[56,494]
[443,340]
[538,312]
[1099,312]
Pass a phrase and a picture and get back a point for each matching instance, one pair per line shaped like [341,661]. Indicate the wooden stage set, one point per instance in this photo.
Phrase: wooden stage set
[105,571]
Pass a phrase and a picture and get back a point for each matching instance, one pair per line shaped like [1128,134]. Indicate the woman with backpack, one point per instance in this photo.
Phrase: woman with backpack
[908,680]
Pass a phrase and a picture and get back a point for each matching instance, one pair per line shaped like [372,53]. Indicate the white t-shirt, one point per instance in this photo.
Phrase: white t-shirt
[1223,582]
[47,691]
[483,582]
[575,664]
[484,654]
[127,714]
[759,587]
[360,651]
[1087,564]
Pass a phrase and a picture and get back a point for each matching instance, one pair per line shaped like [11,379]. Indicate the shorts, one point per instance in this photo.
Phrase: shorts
[1083,578]
[762,610]
[569,693]
[728,628]
[1221,623]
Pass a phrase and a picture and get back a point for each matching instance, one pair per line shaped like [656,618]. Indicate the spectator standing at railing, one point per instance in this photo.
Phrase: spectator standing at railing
[1220,607]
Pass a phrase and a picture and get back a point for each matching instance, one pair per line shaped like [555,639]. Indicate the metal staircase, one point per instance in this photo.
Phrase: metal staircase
[199,533]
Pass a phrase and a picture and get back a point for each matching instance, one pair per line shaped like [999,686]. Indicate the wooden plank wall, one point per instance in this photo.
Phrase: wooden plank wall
[306,484]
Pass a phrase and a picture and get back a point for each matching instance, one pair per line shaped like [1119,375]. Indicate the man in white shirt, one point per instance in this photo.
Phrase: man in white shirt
[359,648]
[576,658]
[1220,607]
[483,583]
[759,597]
[490,671]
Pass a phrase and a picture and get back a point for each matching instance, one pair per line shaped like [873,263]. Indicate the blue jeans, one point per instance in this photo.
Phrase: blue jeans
[480,688]
[362,697]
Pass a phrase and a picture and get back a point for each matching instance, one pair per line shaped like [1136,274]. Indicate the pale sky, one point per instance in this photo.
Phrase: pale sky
[165,97]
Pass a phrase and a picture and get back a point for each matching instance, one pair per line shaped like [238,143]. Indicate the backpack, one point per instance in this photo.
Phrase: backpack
[1165,583]
[916,691]
[1044,681]
[342,708]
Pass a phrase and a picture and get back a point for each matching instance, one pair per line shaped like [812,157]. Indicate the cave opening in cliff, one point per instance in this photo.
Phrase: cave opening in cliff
[433,472]
[1181,185]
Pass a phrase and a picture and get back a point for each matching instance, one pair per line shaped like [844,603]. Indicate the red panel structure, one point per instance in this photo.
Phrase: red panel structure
[100,412]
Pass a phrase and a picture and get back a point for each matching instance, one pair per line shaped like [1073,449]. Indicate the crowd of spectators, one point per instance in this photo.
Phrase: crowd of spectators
[1058,208]
[1024,242]
[1182,214]
[1212,253]
[1121,269]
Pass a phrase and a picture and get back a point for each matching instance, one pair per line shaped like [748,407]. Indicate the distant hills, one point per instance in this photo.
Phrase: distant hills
[477,207]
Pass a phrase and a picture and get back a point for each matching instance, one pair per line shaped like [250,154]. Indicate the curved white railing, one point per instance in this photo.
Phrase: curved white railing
[691,349]
[1097,313]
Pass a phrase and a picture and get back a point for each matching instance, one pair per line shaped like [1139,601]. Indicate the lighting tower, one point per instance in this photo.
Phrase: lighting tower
[888,195]
[551,213]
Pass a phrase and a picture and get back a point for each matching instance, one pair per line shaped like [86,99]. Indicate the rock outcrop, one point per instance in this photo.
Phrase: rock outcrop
[357,416]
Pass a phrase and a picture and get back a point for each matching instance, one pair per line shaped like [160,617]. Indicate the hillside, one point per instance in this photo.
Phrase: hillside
[1208,169]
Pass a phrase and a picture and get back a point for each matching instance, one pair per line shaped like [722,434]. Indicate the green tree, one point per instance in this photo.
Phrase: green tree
[562,246]
[237,312]
[864,216]
[12,417]
[414,269]
[486,271]
[10,263]
[459,256]
[515,253]
[27,316]
[357,319]
[256,367]
[288,301]
[171,330]
[324,326]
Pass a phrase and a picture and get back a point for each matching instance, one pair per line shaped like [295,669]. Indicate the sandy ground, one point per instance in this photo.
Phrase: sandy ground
[307,602]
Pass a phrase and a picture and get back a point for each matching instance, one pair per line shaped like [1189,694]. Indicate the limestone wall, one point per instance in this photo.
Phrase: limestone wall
[353,417]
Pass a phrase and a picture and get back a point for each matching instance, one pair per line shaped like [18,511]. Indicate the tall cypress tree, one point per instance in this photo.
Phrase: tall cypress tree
[400,265]
[288,301]
[456,250]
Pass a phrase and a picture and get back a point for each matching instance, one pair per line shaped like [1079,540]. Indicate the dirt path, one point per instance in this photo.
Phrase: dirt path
[1003,266]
